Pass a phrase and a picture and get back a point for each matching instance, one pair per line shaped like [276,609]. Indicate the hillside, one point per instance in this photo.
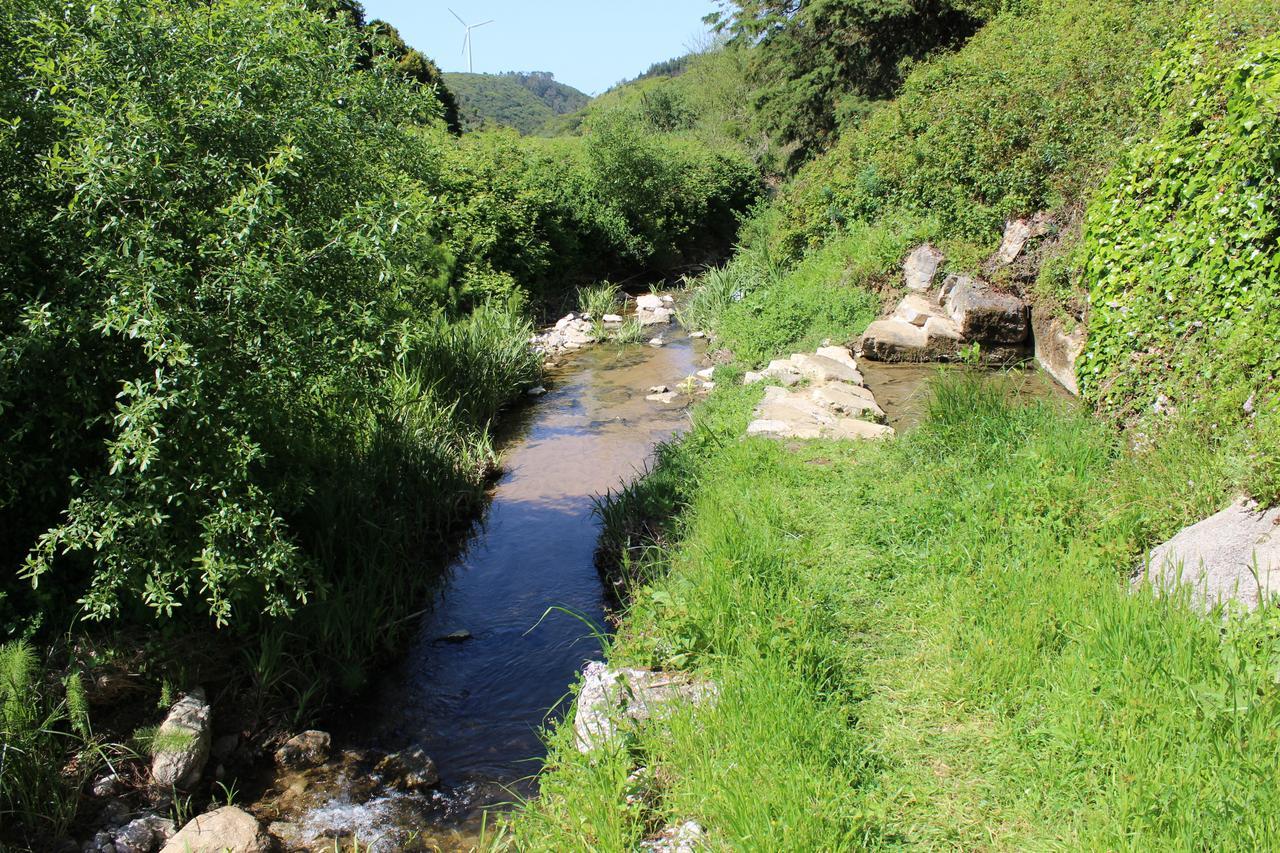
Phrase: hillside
[524,101]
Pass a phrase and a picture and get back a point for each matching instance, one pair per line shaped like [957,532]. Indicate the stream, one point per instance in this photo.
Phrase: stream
[492,662]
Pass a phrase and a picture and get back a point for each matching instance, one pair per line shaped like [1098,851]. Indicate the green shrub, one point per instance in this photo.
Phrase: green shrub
[1181,244]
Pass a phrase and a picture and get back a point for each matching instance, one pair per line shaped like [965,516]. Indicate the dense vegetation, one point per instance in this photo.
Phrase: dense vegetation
[524,101]
[258,310]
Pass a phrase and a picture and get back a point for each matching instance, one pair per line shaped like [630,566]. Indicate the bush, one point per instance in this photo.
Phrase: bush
[1181,254]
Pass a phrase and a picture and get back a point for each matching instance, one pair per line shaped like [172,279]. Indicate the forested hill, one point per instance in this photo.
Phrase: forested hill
[525,101]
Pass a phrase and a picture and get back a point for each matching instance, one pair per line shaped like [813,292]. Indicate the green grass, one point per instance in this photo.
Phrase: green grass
[929,643]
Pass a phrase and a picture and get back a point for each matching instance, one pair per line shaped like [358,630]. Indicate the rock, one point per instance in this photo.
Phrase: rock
[182,743]
[1016,234]
[783,371]
[657,342]
[782,429]
[708,386]
[1218,557]
[563,322]
[302,751]
[819,368]
[459,636]
[840,354]
[410,770]
[114,813]
[665,397]
[656,317]
[107,786]
[687,837]
[940,329]
[658,389]
[1057,350]
[668,299]
[897,340]
[612,319]
[537,391]
[858,430]
[984,315]
[916,309]
[649,302]
[144,835]
[706,373]
[227,828]
[697,334]
[921,267]
[611,698]
[751,377]
[847,399]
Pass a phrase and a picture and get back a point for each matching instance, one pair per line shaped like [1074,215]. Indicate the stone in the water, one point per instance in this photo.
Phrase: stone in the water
[984,315]
[896,340]
[648,302]
[612,319]
[182,743]
[697,334]
[657,342]
[687,837]
[537,391]
[1057,350]
[613,698]
[665,397]
[227,828]
[921,267]
[308,749]
[658,389]
[410,770]
[459,636]
[1230,558]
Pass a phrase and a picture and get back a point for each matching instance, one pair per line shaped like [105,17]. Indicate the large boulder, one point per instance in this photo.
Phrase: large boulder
[983,314]
[181,746]
[820,368]
[921,267]
[224,829]
[1057,350]
[1230,558]
[613,698]
[896,340]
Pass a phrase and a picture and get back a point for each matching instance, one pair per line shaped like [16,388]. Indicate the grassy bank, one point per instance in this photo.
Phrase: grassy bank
[931,643]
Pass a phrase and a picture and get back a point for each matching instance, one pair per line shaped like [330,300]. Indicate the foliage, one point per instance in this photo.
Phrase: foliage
[386,39]
[1028,116]
[817,62]
[1181,250]
[522,101]
[598,300]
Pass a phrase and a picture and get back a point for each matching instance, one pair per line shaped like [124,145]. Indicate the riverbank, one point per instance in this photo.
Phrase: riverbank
[931,642]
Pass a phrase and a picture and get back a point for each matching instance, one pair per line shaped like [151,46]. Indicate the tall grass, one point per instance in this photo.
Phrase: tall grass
[598,300]
[932,643]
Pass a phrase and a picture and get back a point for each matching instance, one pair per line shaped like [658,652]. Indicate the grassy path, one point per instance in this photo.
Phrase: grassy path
[928,643]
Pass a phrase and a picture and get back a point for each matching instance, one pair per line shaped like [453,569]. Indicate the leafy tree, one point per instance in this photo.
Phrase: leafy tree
[816,61]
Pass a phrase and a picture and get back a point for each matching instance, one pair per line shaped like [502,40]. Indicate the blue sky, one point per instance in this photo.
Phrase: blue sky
[590,44]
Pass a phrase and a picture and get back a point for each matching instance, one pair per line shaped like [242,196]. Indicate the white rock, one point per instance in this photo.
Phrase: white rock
[751,377]
[648,302]
[657,342]
[182,743]
[687,837]
[537,391]
[654,317]
[847,399]
[227,828]
[706,373]
[1218,557]
[667,397]
[1016,234]
[840,354]
[819,368]
[916,309]
[613,698]
[668,299]
[658,389]
[697,334]
[564,321]
[612,319]
[921,267]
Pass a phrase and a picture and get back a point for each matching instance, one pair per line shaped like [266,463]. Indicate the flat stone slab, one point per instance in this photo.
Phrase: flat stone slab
[1230,558]
[840,354]
[916,309]
[847,399]
[819,368]
[611,699]
[1058,350]
[896,340]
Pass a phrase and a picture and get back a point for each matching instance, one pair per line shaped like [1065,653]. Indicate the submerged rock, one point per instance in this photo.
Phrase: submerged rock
[182,743]
[410,770]
[227,828]
[309,749]
[612,698]
[1232,558]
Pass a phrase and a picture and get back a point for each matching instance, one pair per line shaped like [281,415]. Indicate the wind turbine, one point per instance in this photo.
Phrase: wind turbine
[466,40]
